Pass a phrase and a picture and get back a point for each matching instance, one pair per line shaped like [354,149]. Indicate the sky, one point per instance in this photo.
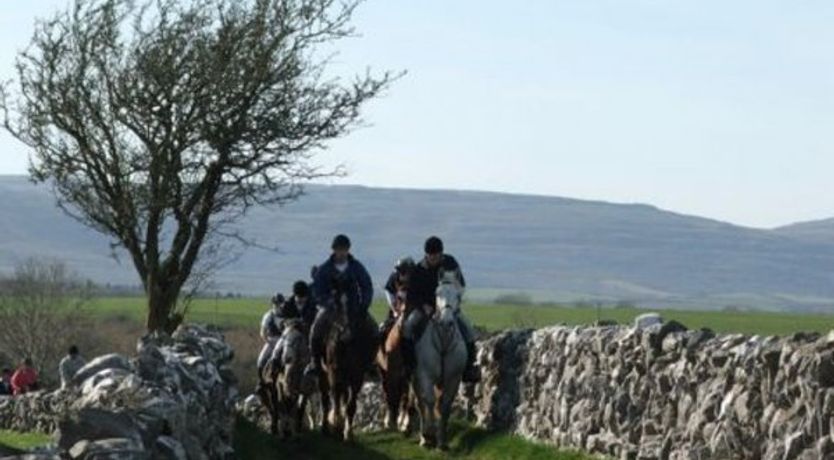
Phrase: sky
[711,108]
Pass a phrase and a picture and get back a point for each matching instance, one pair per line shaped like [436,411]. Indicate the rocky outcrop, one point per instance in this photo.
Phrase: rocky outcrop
[663,392]
[174,400]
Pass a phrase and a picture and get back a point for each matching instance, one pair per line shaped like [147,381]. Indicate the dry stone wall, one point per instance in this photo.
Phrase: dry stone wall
[174,400]
[662,393]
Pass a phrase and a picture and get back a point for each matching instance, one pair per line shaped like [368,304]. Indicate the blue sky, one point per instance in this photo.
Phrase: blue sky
[715,108]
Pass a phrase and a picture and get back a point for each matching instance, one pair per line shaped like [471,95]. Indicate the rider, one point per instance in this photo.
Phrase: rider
[271,328]
[427,275]
[393,289]
[299,306]
[341,266]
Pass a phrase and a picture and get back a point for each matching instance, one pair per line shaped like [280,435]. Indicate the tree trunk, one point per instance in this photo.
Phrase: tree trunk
[161,304]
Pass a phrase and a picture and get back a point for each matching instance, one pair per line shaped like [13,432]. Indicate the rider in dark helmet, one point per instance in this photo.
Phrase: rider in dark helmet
[342,268]
[300,305]
[426,276]
[395,289]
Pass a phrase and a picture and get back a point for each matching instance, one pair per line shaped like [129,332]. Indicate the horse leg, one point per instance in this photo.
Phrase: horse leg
[407,416]
[353,399]
[335,416]
[324,390]
[450,390]
[425,395]
[301,409]
[391,387]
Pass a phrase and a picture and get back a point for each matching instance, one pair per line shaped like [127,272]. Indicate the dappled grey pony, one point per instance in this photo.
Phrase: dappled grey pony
[291,356]
[441,359]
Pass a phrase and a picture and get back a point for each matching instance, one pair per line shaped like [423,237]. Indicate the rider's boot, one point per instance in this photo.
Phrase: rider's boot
[472,373]
[409,354]
[261,384]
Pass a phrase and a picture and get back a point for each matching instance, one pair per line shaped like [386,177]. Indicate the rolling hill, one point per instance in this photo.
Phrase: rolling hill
[554,248]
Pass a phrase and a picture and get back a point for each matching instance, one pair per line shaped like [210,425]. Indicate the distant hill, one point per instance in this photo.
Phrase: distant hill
[821,231]
[554,248]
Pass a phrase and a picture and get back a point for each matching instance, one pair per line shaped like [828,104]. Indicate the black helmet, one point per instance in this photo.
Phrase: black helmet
[404,265]
[277,300]
[433,245]
[340,242]
[301,289]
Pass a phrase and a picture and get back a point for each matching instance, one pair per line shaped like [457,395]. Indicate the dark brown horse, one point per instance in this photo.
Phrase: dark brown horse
[395,375]
[349,349]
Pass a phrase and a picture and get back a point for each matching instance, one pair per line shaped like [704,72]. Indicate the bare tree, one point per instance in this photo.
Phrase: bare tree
[161,122]
[41,312]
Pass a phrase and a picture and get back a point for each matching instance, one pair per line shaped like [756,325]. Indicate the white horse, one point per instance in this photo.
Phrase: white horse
[290,388]
[441,359]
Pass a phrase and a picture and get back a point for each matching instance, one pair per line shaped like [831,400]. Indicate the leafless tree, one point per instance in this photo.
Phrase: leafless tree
[161,122]
[42,313]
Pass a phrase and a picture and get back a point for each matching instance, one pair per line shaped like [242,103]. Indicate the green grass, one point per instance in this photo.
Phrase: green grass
[23,441]
[247,312]
[465,443]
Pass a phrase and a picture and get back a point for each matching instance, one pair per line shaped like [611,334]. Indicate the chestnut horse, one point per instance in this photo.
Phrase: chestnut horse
[395,376]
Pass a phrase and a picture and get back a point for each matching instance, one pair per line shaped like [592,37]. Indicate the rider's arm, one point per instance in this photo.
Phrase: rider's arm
[365,285]
[453,265]
[391,291]
[320,288]
[391,299]
[265,326]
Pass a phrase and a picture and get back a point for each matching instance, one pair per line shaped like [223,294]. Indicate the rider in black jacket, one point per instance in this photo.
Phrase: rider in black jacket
[423,287]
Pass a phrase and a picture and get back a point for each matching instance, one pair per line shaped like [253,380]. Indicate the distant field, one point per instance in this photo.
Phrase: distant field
[247,312]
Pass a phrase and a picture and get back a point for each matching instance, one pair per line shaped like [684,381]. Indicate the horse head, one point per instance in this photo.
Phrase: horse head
[341,320]
[448,305]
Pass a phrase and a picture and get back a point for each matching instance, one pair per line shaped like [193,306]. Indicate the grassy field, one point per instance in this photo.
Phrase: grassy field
[23,440]
[465,443]
[247,312]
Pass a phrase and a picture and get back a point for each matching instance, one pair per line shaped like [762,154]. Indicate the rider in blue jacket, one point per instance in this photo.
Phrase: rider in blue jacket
[342,268]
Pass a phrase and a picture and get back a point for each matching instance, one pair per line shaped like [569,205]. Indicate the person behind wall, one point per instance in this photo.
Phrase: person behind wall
[6,382]
[25,378]
[70,365]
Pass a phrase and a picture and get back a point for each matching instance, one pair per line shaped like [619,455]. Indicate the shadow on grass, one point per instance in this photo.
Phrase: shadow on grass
[6,451]
[465,442]
[253,444]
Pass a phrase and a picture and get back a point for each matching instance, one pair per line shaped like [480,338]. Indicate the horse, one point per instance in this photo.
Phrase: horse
[395,376]
[285,392]
[348,353]
[441,359]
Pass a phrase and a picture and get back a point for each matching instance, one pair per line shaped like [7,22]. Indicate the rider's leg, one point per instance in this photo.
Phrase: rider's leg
[471,374]
[263,359]
[409,340]
[317,332]
[386,325]
[277,356]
